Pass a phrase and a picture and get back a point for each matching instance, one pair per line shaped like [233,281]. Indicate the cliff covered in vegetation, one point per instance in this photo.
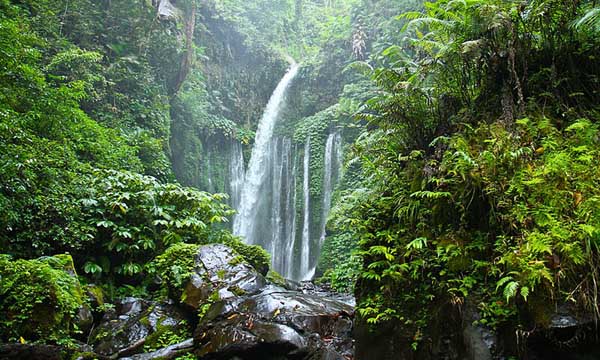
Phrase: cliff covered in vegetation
[438,159]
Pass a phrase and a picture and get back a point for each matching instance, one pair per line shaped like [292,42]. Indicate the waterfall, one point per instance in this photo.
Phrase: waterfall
[283,218]
[330,169]
[305,273]
[244,223]
[290,236]
[276,183]
[331,172]
[236,174]
[208,173]
[265,195]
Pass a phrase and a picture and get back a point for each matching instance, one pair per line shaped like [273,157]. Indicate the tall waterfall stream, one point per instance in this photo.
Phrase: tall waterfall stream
[265,195]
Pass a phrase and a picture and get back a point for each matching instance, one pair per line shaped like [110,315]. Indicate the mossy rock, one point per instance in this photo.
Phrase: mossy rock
[166,335]
[174,268]
[95,294]
[176,265]
[135,320]
[276,278]
[255,255]
[39,299]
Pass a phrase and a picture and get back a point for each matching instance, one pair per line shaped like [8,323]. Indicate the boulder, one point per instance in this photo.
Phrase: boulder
[246,337]
[31,352]
[125,330]
[219,270]
[276,321]
[570,334]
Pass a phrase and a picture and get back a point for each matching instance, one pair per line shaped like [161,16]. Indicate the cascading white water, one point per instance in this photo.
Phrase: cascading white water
[276,183]
[208,172]
[265,195]
[245,220]
[305,272]
[332,166]
[236,174]
[288,266]
[282,207]
[331,172]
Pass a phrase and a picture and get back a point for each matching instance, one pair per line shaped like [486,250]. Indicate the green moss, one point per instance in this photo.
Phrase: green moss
[174,267]
[96,293]
[221,274]
[236,260]
[84,356]
[186,357]
[167,335]
[237,290]
[255,255]
[39,299]
[145,321]
[205,308]
[274,277]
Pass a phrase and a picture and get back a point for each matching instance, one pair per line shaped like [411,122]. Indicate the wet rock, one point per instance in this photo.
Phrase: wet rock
[246,337]
[31,352]
[169,352]
[167,11]
[84,319]
[480,342]
[279,322]
[218,269]
[124,330]
[307,287]
[569,335]
[242,316]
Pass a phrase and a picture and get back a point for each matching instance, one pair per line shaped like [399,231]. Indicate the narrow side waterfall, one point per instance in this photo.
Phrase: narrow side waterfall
[276,182]
[236,174]
[333,160]
[331,173]
[305,272]
[287,269]
[209,174]
[244,223]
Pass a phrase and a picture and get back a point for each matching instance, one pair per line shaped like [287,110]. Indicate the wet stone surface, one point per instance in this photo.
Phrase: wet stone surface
[123,331]
[241,316]
[267,319]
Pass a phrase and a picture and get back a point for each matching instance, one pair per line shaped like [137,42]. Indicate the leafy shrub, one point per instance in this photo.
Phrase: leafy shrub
[174,267]
[136,217]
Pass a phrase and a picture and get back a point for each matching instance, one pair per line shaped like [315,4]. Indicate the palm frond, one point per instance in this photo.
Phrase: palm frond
[590,21]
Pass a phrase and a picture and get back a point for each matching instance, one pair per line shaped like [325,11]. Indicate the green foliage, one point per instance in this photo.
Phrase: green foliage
[39,299]
[166,335]
[174,267]
[255,255]
[461,201]
[136,217]
[276,278]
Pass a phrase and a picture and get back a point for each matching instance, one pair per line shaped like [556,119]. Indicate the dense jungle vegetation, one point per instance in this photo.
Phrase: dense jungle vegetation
[470,174]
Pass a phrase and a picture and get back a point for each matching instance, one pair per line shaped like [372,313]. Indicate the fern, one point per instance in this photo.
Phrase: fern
[510,290]
[432,195]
